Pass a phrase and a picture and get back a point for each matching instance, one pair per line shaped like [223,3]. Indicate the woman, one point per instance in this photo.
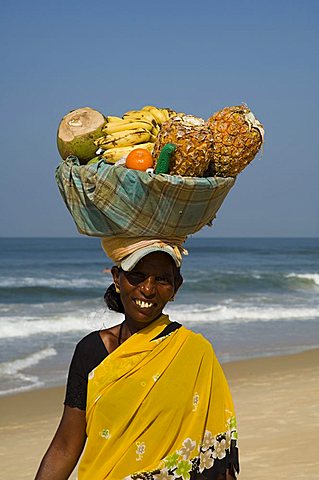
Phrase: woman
[148,396]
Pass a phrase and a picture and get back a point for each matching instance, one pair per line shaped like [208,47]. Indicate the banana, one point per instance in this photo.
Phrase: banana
[171,113]
[112,119]
[163,113]
[167,114]
[114,154]
[148,145]
[98,142]
[156,130]
[126,125]
[158,113]
[125,138]
[153,138]
[140,115]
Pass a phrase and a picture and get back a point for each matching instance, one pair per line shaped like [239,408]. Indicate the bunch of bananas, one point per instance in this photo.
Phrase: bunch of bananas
[136,129]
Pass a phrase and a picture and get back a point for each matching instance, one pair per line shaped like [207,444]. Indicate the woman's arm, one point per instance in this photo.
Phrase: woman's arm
[66,446]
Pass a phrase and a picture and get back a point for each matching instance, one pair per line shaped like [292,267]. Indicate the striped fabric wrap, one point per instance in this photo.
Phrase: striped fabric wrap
[111,200]
[117,248]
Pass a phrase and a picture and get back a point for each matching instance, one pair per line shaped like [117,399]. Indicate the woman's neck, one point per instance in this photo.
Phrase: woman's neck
[129,327]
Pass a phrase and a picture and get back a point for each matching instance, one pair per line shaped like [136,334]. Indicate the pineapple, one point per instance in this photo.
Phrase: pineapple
[237,137]
[194,145]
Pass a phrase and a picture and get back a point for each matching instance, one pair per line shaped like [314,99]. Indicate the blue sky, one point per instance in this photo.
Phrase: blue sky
[195,57]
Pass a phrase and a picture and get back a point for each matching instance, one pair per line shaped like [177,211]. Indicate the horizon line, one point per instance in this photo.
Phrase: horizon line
[188,238]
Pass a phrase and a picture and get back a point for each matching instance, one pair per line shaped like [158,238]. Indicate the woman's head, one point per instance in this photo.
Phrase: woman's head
[145,289]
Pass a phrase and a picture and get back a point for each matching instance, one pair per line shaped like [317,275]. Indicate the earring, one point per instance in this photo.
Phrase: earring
[117,289]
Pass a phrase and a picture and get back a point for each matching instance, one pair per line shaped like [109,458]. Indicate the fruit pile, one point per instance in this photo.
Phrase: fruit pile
[136,129]
[86,133]
[221,146]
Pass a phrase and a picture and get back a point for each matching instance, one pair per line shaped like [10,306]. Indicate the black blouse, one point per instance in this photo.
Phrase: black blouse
[88,354]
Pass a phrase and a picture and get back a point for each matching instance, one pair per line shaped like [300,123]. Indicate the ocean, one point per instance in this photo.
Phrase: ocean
[249,297]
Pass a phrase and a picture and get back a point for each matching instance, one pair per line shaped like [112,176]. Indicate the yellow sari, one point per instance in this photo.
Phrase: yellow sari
[159,408]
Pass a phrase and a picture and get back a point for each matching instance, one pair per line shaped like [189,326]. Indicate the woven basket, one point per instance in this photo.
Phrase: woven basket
[111,200]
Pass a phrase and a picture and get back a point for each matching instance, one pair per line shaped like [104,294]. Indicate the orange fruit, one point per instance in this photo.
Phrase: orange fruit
[139,159]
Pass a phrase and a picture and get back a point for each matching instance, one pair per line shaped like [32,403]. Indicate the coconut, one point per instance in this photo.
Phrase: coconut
[77,132]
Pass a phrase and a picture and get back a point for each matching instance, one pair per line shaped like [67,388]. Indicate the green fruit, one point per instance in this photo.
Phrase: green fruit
[77,132]
[95,160]
[162,164]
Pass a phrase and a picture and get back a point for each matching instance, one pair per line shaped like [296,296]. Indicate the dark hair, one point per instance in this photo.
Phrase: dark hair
[113,299]
[178,277]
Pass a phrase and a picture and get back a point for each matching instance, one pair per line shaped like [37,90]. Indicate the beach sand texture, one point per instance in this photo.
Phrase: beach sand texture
[277,407]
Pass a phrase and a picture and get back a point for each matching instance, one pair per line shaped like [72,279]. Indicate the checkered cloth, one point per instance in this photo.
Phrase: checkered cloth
[111,200]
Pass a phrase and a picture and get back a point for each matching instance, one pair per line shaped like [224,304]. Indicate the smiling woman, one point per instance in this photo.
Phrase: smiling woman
[146,289]
[148,396]
[141,293]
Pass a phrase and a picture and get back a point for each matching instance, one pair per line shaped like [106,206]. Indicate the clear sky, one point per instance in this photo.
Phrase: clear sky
[195,57]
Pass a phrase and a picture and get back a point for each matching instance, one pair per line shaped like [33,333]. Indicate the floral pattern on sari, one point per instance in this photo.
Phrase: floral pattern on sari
[212,450]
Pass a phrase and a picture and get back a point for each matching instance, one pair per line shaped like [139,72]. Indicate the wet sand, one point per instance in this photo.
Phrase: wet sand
[277,406]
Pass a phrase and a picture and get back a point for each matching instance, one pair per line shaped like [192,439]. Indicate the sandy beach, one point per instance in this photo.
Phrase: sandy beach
[276,400]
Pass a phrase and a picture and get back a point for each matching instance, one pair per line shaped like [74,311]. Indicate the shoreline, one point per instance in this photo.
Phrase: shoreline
[228,367]
[276,401]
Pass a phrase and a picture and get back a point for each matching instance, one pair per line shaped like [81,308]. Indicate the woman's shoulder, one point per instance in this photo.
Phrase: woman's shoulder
[199,341]
[90,350]
[88,353]
[90,340]
[100,341]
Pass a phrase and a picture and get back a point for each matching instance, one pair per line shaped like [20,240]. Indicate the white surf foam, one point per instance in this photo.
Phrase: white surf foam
[11,327]
[35,383]
[85,321]
[311,277]
[22,282]
[224,313]
[12,368]
[13,372]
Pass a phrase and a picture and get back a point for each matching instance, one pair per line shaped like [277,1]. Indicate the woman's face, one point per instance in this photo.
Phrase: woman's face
[147,288]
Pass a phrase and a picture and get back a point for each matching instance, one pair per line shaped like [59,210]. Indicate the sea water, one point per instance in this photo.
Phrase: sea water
[249,297]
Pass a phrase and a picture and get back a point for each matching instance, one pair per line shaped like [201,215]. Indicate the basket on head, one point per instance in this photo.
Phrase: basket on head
[111,200]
